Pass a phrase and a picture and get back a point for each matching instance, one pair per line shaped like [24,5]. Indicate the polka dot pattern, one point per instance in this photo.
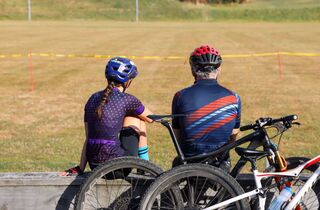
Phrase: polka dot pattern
[118,107]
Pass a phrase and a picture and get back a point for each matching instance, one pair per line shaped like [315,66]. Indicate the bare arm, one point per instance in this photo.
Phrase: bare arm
[233,135]
[83,159]
[144,114]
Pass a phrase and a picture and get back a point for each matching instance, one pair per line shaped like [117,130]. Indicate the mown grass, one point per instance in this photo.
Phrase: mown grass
[42,130]
[162,10]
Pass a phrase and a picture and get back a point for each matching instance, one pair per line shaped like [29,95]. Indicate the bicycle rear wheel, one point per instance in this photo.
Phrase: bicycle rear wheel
[117,185]
[193,187]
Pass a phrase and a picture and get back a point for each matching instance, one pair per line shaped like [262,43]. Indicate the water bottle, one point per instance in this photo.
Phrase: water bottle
[283,197]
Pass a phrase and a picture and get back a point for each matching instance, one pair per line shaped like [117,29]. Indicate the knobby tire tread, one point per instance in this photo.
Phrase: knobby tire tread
[170,177]
[117,163]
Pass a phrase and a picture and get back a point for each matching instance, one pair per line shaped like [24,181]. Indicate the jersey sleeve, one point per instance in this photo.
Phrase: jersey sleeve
[87,111]
[134,106]
[238,118]
[90,108]
[175,110]
[86,116]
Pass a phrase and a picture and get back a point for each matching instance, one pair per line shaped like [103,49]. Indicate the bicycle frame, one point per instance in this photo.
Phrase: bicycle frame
[257,138]
[258,176]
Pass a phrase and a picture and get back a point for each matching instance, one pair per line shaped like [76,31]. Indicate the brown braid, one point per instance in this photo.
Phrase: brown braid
[105,98]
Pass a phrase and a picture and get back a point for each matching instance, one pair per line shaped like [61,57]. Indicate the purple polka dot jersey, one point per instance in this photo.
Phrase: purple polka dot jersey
[103,142]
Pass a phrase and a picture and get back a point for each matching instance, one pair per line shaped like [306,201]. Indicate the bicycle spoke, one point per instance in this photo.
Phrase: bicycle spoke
[220,195]
[163,201]
[202,188]
[94,203]
[190,193]
[116,185]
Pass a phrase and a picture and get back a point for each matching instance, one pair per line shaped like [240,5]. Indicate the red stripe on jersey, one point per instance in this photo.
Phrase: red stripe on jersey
[205,110]
[214,126]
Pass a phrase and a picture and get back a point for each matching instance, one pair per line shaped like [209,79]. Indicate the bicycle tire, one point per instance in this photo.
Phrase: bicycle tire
[311,200]
[124,179]
[212,182]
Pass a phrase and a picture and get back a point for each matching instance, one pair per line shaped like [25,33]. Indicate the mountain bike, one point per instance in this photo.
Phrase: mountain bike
[191,185]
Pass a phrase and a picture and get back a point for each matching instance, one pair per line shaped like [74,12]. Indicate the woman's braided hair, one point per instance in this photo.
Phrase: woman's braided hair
[106,93]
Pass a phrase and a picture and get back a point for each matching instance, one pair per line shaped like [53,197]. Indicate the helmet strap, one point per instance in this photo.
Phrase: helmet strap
[126,85]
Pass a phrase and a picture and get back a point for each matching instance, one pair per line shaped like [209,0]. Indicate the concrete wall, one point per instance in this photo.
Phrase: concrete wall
[49,191]
[24,191]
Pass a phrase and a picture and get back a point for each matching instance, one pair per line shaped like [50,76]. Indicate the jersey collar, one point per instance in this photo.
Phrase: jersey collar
[207,82]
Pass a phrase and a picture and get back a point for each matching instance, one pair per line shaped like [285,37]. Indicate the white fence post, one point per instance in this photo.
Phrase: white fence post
[137,10]
[29,10]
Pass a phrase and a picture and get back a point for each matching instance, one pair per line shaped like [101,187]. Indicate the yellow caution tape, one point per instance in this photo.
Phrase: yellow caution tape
[175,57]
[300,54]
[156,57]
[16,55]
[44,54]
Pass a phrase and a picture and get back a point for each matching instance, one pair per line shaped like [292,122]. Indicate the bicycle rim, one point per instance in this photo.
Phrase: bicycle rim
[192,187]
[117,185]
[311,200]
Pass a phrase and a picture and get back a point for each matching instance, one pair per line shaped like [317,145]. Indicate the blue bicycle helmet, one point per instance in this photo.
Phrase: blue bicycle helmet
[120,69]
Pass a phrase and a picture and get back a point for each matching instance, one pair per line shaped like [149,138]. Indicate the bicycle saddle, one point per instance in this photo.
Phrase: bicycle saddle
[251,154]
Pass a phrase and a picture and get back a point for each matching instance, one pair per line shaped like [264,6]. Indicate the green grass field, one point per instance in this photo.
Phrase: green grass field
[42,130]
[162,10]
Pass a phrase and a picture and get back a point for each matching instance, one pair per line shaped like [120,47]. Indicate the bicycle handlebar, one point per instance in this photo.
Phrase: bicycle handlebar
[160,118]
[261,122]
[247,127]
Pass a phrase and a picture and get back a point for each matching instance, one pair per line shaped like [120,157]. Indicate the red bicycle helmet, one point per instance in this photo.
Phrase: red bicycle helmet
[205,58]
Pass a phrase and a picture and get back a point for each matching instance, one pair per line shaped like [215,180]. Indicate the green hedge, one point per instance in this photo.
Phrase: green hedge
[155,10]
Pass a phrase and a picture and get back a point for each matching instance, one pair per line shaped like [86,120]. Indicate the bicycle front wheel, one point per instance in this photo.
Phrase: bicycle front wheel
[311,200]
[193,186]
[117,185]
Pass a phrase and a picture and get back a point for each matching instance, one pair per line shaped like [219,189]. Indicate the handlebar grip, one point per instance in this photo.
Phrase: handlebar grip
[156,117]
[290,117]
[246,127]
[159,118]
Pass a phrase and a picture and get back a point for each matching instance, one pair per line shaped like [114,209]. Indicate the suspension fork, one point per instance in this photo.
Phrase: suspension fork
[281,162]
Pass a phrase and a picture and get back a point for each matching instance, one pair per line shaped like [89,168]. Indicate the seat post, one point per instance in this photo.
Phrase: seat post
[174,139]
[253,163]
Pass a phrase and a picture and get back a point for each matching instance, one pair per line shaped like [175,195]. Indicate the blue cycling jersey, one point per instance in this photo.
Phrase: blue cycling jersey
[212,112]
[103,142]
